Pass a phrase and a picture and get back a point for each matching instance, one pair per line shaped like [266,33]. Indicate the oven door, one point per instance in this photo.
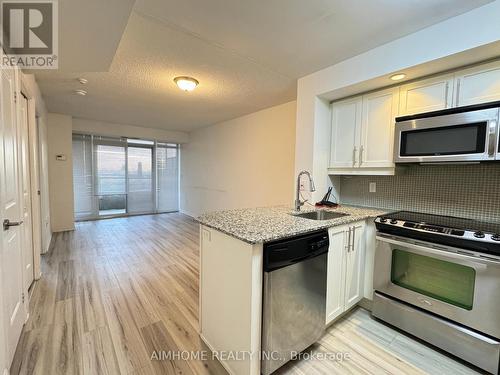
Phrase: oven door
[439,279]
[459,137]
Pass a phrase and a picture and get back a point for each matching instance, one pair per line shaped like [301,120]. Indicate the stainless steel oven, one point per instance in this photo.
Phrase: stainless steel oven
[456,135]
[445,295]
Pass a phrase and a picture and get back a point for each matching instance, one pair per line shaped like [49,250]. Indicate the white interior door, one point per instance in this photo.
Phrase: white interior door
[14,313]
[24,161]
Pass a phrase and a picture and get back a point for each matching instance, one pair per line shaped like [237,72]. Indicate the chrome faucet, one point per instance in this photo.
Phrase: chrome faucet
[298,203]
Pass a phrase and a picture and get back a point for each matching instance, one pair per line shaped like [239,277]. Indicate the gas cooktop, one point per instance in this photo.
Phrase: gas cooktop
[448,230]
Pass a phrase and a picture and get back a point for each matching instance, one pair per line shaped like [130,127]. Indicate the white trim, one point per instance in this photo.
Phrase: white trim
[210,346]
[47,245]
[188,213]
[362,171]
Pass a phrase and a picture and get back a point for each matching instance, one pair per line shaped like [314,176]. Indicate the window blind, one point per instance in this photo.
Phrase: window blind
[120,176]
[167,161]
[82,176]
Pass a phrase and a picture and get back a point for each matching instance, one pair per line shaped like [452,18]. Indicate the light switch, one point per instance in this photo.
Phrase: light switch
[373,187]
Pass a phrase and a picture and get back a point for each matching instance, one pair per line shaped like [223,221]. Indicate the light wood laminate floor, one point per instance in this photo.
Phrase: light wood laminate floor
[113,291]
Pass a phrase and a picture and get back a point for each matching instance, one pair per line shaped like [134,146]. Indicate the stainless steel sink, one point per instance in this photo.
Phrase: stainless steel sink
[320,215]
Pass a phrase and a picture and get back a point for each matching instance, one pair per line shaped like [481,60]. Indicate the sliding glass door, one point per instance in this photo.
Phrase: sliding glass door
[119,176]
[140,179]
[111,178]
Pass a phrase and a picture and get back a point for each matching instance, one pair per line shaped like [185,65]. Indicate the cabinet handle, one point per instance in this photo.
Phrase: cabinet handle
[353,234]
[446,94]
[458,93]
[354,150]
[349,240]
[361,149]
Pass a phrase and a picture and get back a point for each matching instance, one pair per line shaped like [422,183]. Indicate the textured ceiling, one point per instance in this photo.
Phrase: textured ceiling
[247,55]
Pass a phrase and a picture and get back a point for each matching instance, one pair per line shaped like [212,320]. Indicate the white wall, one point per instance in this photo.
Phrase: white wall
[476,32]
[245,162]
[120,130]
[59,134]
[44,182]
[41,114]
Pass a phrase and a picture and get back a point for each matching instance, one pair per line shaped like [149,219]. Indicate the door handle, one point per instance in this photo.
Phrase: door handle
[7,224]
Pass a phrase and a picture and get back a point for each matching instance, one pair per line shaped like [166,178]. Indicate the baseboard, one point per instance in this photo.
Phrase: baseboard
[211,348]
[190,214]
[366,304]
[67,229]
[46,248]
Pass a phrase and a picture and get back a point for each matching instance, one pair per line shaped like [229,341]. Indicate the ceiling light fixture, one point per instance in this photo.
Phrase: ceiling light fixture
[186,83]
[80,92]
[83,81]
[398,77]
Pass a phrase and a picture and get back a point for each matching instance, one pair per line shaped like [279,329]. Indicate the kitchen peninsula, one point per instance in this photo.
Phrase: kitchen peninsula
[231,272]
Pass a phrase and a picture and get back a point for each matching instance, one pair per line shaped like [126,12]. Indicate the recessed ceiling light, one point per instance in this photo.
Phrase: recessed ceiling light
[80,92]
[83,81]
[186,83]
[397,77]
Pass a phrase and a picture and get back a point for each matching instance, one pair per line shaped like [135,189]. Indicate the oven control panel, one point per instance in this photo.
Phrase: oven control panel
[453,232]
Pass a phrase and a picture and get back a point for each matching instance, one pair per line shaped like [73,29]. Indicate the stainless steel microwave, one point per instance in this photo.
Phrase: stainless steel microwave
[467,134]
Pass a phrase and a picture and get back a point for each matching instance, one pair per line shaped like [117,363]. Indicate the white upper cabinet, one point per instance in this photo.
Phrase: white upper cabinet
[379,112]
[480,84]
[362,138]
[346,128]
[362,133]
[430,94]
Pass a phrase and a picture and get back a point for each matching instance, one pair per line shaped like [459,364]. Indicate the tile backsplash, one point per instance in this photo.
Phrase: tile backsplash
[471,191]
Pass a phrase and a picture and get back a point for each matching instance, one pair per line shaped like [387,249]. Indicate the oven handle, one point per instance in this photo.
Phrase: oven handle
[440,250]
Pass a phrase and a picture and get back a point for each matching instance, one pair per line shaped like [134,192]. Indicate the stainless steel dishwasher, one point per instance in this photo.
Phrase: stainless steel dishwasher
[294,305]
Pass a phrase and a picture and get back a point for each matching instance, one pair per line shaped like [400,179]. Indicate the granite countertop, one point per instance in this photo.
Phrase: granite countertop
[264,224]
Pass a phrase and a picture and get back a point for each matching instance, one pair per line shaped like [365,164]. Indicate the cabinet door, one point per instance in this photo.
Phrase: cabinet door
[354,286]
[346,126]
[430,94]
[480,84]
[379,112]
[336,273]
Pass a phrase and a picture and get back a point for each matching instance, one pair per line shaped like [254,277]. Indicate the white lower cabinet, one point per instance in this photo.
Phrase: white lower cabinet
[345,283]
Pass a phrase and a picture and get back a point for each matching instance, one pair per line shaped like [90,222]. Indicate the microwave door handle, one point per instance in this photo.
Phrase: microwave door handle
[491,137]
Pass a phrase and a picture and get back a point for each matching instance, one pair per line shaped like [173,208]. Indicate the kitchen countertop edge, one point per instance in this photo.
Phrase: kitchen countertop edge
[218,221]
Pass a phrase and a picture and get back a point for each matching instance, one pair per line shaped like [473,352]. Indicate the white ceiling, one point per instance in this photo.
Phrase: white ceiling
[247,55]
[91,24]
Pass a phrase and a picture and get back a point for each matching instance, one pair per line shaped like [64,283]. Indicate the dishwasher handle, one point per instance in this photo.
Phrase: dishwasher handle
[284,253]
